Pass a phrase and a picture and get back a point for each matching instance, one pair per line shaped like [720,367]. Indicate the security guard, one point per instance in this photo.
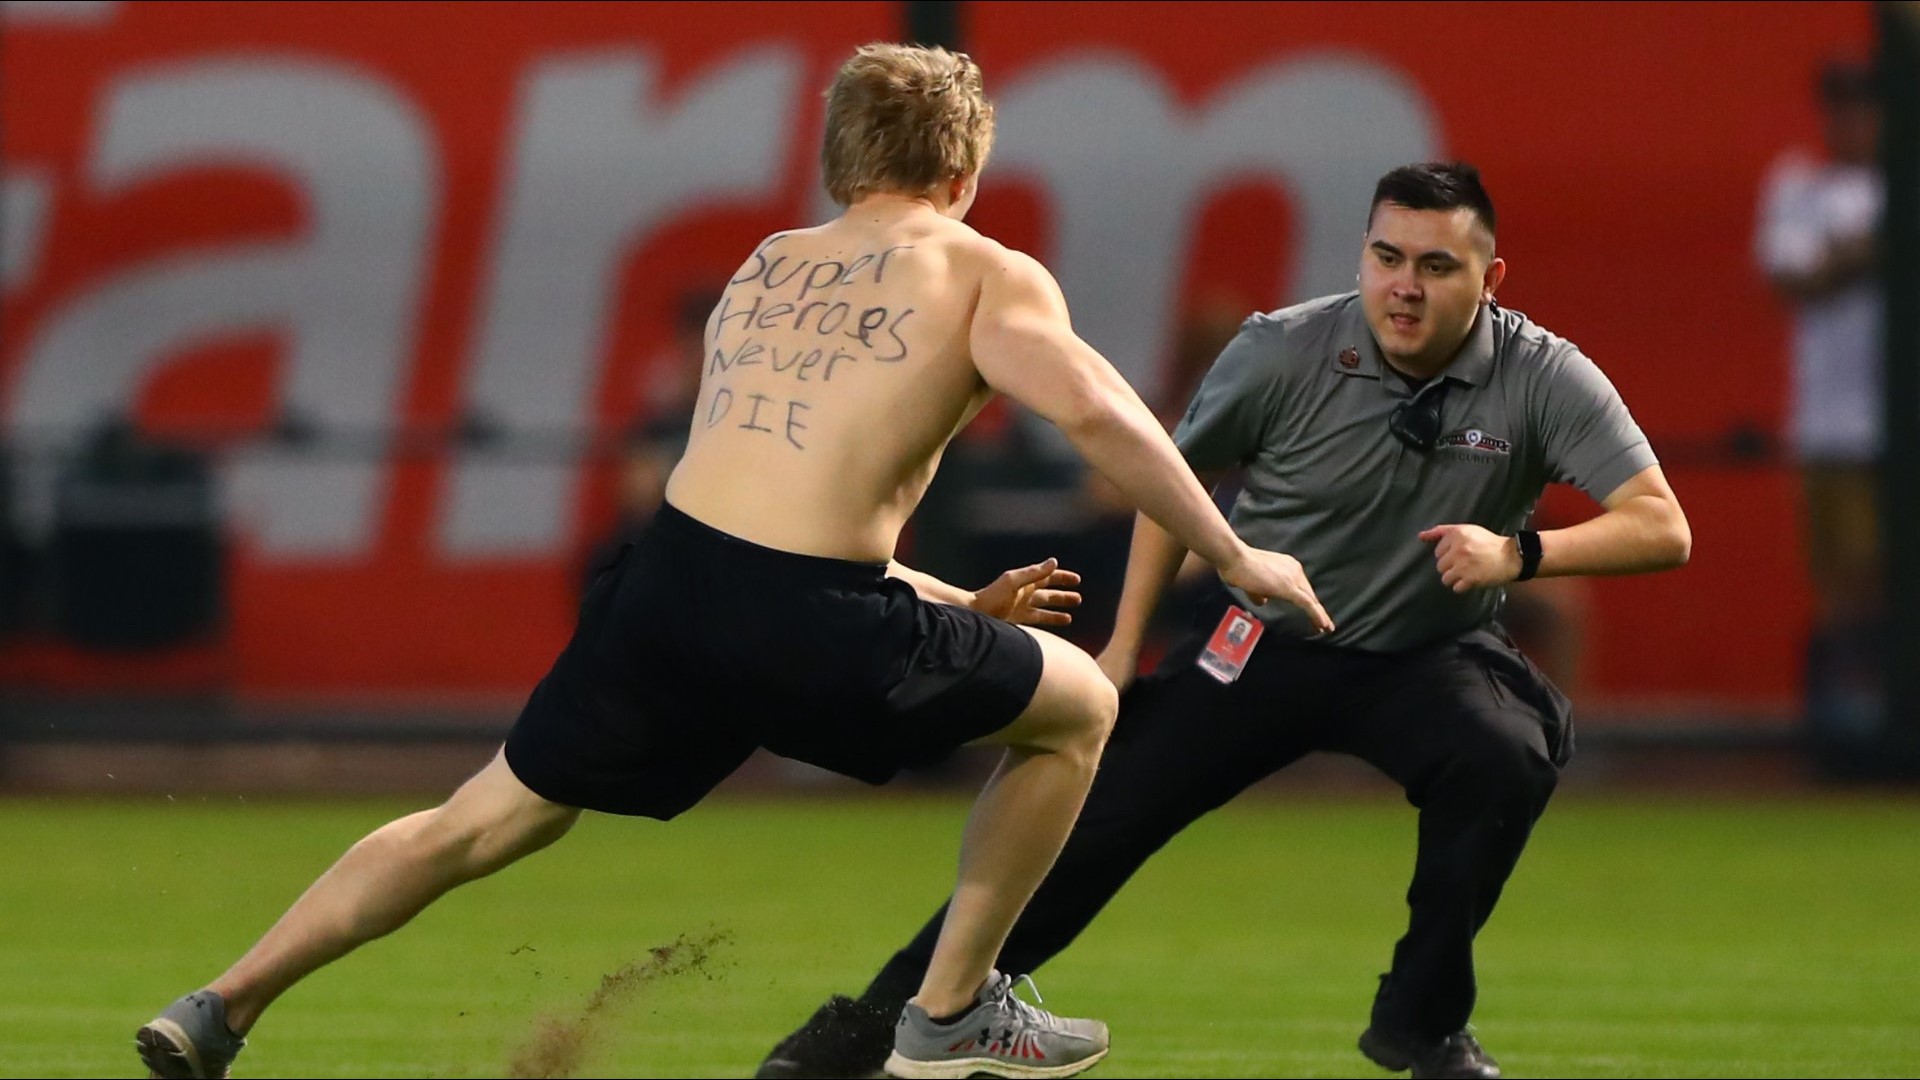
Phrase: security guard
[1394,440]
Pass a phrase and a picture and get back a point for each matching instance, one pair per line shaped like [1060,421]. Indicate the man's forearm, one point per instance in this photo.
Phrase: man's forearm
[1641,535]
[1126,443]
[929,587]
[1846,261]
[1151,565]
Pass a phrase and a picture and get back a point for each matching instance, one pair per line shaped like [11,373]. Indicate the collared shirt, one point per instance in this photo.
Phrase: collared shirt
[1301,398]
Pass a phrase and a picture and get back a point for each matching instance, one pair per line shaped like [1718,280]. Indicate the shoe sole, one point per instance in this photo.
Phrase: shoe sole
[962,1068]
[1382,1055]
[168,1052]
[788,1069]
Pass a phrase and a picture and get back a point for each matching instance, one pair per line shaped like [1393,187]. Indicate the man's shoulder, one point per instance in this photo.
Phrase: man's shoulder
[1305,317]
[1302,331]
[1538,361]
[1798,182]
[985,260]
[991,254]
[1802,172]
[1518,338]
[794,233]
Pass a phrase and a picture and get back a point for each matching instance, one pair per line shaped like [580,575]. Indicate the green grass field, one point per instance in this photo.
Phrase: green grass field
[1710,937]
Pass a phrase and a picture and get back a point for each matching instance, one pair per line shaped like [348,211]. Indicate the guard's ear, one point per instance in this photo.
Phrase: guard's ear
[1490,282]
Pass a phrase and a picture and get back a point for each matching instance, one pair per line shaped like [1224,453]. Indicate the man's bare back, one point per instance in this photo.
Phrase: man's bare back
[837,368]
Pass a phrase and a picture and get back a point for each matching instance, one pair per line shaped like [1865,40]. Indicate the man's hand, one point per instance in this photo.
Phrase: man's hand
[1030,595]
[1469,557]
[1269,575]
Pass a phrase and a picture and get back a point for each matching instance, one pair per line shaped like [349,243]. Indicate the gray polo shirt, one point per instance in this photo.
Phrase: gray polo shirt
[1301,398]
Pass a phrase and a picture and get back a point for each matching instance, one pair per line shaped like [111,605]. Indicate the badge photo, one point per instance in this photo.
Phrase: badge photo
[1233,640]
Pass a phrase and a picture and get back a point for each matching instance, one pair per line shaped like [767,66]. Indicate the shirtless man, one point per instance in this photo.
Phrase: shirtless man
[763,609]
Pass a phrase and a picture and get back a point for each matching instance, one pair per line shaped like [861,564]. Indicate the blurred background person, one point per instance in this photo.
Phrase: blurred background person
[1818,244]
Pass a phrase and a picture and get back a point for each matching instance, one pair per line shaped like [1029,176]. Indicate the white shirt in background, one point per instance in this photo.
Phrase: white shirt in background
[1837,339]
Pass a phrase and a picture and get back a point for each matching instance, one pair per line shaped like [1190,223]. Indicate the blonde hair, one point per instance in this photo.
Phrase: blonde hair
[904,118]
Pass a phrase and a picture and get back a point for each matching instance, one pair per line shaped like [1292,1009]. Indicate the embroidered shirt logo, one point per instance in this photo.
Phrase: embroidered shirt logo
[1473,439]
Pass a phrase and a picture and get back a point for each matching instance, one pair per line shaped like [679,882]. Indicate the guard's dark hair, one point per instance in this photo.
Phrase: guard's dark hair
[1435,185]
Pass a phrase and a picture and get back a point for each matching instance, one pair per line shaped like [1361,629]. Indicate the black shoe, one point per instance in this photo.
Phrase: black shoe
[843,1038]
[1459,1055]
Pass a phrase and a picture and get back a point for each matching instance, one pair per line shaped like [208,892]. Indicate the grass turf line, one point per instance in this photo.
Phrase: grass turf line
[1720,937]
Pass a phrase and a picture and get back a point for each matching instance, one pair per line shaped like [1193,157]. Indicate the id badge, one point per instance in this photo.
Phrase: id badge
[1233,640]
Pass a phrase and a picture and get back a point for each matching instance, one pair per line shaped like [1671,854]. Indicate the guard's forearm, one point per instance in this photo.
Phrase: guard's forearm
[1641,535]
[1151,566]
[929,587]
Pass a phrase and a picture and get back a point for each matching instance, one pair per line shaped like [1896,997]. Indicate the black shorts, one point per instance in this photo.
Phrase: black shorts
[694,648]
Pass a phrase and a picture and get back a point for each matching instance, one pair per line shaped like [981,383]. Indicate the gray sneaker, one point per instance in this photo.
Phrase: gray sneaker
[1001,1036]
[190,1040]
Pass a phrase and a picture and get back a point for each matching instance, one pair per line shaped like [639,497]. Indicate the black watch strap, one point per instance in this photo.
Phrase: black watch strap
[1529,554]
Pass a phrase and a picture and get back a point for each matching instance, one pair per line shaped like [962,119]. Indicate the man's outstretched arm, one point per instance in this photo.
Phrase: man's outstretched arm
[1024,346]
[1029,595]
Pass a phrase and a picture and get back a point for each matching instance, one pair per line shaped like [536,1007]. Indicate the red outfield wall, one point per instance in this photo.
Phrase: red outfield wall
[390,216]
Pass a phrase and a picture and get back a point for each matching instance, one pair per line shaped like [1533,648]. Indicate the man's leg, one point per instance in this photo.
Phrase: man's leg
[1842,530]
[1020,820]
[1474,758]
[1184,745]
[386,879]
[1181,750]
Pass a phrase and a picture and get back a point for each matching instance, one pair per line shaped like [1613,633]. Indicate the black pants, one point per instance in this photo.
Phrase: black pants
[1471,730]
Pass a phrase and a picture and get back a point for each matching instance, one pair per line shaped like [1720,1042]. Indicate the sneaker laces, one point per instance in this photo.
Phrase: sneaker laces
[1465,1039]
[1023,1014]
[1031,985]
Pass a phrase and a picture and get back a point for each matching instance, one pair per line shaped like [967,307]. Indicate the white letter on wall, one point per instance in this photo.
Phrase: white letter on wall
[26,205]
[600,162]
[1127,173]
[346,294]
